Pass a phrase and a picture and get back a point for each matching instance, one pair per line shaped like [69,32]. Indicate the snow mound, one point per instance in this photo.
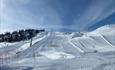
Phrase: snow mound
[76,34]
[57,55]
[105,29]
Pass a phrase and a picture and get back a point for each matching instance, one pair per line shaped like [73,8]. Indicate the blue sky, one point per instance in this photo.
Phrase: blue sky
[56,15]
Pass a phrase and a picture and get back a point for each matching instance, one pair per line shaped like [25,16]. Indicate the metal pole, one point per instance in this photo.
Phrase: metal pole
[31,42]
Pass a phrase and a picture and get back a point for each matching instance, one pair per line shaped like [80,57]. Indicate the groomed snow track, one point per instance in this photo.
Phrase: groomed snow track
[60,51]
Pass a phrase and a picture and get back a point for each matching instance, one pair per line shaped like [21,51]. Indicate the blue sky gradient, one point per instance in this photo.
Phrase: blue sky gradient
[56,15]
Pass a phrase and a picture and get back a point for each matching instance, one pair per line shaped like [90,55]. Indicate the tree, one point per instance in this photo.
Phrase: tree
[1,37]
[19,35]
[22,34]
[7,36]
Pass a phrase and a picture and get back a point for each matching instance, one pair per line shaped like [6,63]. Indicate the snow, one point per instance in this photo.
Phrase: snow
[63,51]
[38,39]
[57,55]
[27,45]
[5,44]
[24,47]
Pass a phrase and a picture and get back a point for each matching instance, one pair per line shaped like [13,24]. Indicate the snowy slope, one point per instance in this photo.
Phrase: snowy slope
[63,51]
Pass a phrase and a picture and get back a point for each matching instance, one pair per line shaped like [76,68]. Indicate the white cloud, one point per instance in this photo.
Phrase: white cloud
[17,15]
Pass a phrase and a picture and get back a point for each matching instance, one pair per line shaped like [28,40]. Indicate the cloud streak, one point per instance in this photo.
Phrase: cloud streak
[97,10]
[59,15]
[22,14]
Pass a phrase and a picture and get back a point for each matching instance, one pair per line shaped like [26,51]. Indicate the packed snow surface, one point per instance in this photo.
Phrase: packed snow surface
[57,55]
[62,51]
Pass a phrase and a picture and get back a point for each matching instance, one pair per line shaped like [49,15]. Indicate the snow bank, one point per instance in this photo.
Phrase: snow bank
[4,44]
[101,40]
